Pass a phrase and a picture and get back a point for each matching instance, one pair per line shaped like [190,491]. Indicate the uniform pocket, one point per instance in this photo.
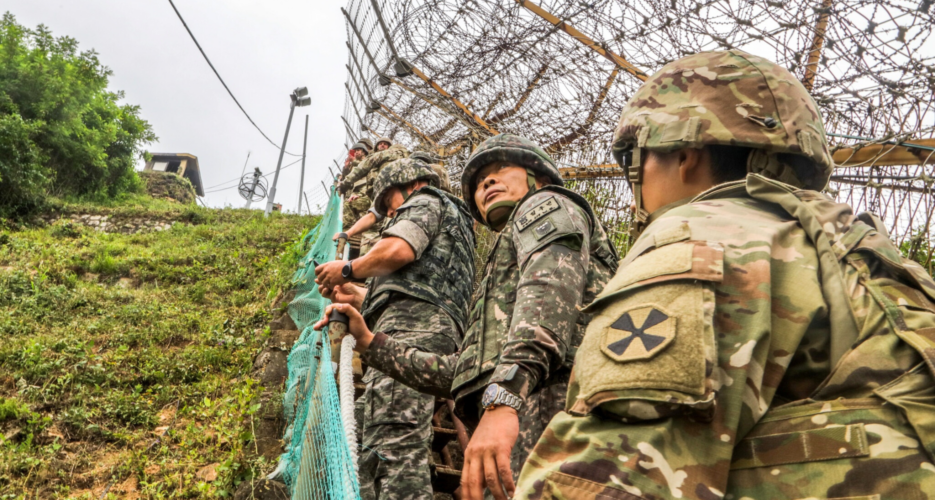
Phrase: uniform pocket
[390,402]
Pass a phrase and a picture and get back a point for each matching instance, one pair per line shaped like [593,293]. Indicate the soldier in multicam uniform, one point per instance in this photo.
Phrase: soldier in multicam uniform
[356,201]
[421,276]
[551,256]
[359,182]
[759,341]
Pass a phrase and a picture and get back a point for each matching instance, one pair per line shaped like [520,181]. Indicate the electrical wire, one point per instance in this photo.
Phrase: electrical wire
[192,35]
[237,179]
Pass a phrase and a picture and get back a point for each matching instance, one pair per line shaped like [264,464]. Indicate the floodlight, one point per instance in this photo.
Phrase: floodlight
[301,92]
[305,101]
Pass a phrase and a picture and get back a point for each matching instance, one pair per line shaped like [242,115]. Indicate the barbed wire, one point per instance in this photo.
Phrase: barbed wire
[870,66]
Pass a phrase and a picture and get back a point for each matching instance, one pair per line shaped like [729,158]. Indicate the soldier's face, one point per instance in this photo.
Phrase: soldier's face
[499,181]
[382,146]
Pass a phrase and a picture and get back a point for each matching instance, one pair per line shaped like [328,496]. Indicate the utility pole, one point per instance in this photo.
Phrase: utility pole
[256,180]
[298,208]
[299,97]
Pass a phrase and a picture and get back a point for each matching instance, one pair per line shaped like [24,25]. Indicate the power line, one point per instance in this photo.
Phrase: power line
[177,13]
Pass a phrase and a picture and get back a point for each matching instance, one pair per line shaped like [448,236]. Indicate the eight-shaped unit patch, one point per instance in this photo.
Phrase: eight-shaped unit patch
[639,333]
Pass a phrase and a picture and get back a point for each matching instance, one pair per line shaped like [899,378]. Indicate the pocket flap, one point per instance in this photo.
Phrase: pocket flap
[695,260]
[828,443]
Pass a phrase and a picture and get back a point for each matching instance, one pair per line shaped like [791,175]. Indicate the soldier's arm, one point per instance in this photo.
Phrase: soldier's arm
[417,222]
[358,172]
[551,235]
[426,372]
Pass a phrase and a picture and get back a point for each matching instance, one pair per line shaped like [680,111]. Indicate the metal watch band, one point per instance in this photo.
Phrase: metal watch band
[506,398]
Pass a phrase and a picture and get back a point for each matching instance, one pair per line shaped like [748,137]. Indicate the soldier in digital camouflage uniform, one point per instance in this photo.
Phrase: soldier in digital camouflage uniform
[759,341]
[419,300]
[551,256]
[360,180]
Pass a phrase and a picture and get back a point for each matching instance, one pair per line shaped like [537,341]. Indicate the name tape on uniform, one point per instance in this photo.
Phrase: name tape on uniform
[537,212]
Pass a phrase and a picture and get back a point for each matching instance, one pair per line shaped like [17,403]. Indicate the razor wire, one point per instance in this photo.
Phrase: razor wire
[320,456]
[869,64]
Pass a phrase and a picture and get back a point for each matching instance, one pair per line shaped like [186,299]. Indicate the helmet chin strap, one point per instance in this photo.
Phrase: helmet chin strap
[635,176]
[499,213]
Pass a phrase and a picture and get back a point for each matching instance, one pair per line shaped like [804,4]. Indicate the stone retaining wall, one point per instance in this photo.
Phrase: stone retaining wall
[110,224]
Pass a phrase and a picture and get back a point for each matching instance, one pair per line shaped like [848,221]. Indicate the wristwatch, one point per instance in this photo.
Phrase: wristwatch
[497,396]
[347,272]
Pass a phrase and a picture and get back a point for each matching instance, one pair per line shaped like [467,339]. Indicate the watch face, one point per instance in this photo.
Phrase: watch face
[489,395]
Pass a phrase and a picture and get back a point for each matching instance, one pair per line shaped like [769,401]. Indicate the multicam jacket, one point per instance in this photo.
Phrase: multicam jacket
[552,257]
[761,342]
[360,178]
[443,272]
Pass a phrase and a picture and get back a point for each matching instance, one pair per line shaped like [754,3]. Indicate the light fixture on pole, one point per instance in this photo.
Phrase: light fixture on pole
[299,97]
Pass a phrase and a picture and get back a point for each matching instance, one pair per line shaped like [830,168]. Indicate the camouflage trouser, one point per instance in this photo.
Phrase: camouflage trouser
[396,434]
[534,417]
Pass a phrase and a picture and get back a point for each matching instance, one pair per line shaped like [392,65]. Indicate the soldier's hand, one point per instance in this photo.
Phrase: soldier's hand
[347,293]
[487,457]
[353,197]
[356,327]
[328,274]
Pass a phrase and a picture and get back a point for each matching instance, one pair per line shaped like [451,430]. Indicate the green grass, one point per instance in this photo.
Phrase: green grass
[125,359]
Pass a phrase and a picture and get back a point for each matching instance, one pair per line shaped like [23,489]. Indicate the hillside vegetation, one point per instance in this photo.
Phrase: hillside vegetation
[125,359]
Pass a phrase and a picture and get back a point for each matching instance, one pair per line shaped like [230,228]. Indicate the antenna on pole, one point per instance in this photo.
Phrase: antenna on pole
[252,187]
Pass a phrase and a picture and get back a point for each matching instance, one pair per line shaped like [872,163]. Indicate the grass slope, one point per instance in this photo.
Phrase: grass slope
[125,359]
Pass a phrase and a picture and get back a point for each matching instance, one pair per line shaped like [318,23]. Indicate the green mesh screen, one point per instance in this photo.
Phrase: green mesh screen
[318,462]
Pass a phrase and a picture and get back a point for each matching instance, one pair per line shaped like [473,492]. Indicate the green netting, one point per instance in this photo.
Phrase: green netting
[318,461]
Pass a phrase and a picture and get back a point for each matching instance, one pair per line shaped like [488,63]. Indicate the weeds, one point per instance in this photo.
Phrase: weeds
[125,359]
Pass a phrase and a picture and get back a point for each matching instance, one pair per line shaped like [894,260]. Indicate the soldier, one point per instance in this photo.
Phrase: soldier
[421,278]
[356,201]
[365,224]
[359,183]
[383,144]
[759,341]
[551,256]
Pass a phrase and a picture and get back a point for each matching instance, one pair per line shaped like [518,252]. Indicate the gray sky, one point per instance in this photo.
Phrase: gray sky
[263,50]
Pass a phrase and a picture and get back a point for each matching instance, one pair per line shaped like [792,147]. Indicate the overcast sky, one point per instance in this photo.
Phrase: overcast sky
[262,49]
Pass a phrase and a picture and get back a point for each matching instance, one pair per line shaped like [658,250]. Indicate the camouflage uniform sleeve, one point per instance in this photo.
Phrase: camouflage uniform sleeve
[360,170]
[426,372]
[417,222]
[551,235]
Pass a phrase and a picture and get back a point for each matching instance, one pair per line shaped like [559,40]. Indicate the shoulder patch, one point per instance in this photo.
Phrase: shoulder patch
[539,211]
[624,341]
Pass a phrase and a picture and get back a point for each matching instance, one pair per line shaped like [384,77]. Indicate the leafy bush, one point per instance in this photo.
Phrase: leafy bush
[61,131]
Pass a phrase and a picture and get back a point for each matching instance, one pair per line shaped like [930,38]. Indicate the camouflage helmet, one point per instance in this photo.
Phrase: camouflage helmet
[506,148]
[387,140]
[367,142]
[730,98]
[400,173]
[444,182]
[361,146]
[425,156]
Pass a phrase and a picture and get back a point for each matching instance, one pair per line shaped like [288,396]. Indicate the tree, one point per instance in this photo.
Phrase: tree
[62,132]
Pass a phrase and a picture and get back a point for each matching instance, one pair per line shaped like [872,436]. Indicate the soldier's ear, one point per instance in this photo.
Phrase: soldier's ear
[694,165]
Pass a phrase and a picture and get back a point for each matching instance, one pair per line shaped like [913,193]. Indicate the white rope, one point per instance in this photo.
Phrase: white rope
[346,374]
